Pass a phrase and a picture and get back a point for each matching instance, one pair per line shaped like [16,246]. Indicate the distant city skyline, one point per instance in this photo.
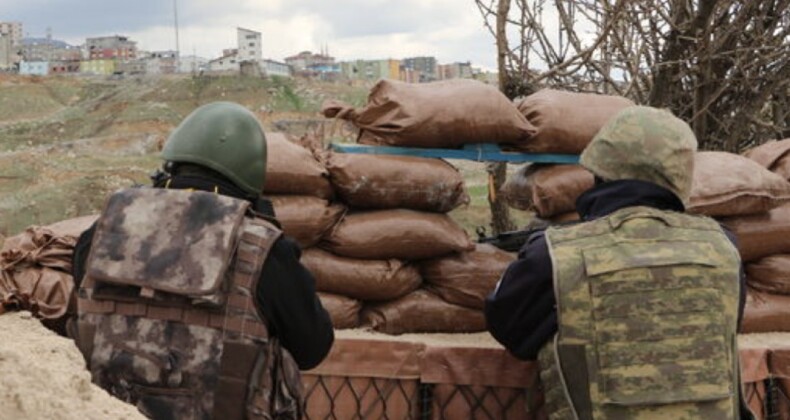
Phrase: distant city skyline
[449,30]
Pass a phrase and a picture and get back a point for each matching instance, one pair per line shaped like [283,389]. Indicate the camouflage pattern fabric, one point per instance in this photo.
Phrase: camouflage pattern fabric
[647,304]
[175,241]
[175,354]
[646,144]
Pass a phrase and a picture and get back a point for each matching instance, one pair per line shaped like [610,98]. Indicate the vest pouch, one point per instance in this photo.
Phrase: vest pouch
[167,403]
[659,324]
[154,379]
[165,246]
[276,386]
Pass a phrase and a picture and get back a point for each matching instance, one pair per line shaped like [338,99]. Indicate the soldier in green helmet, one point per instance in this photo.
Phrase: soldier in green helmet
[633,312]
[192,304]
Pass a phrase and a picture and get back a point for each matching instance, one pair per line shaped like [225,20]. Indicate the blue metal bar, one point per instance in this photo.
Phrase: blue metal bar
[482,152]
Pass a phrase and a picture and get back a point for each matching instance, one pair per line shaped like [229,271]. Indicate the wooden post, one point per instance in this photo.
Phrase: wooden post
[497,172]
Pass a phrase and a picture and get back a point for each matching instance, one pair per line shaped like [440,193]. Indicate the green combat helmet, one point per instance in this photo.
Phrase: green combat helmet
[646,144]
[225,137]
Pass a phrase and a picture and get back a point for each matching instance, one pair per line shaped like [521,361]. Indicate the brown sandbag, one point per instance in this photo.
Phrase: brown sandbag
[766,312]
[444,114]
[566,121]
[400,234]
[770,274]
[774,156]
[466,278]
[388,182]
[726,184]
[35,271]
[343,311]
[569,217]
[422,312]
[548,190]
[761,235]
[361,279]
[292,169]
[304,218]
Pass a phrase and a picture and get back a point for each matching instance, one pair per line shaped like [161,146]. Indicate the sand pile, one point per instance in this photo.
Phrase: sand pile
[43,376]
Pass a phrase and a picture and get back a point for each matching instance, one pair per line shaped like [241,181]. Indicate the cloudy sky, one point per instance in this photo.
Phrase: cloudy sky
[450,30]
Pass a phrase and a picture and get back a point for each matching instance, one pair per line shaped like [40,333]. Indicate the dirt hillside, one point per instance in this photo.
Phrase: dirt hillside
[43,376]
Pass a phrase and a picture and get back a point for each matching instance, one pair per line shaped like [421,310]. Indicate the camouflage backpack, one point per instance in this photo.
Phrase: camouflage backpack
[167,316]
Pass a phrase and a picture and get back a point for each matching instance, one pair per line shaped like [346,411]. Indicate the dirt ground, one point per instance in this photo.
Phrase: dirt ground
[43,376]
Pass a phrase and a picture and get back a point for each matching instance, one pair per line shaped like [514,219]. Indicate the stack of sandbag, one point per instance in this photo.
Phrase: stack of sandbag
[565,122]
[298,185]
[35,271]
[397,253]
[549,191]
[763,240]
[446,114]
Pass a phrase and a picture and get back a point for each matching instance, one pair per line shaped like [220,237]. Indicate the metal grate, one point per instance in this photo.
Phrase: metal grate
[777,401]
[341,398]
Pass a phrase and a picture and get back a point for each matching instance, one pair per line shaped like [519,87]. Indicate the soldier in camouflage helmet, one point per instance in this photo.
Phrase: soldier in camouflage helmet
[192,304]
[632,313]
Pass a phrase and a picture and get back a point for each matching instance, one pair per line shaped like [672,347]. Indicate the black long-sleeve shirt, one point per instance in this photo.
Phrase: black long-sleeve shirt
[286,296]
[521,313]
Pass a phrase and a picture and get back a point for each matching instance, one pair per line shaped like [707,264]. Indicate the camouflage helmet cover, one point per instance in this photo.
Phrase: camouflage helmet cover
[646,144]
[225,137]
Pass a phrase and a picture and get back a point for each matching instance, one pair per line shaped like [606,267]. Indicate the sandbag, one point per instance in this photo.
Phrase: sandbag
[304,218]
[421,312]
[770,274]
[466,278]
[400,234]
[726,184]
[444,114]
[774,156]
[548,190]
[343,311]
[766,312]
[567,121]
[761,235]
[35,272]
[361,279]
[292,169]
[387,182]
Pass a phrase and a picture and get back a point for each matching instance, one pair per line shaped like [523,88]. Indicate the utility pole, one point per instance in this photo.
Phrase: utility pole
[178,49]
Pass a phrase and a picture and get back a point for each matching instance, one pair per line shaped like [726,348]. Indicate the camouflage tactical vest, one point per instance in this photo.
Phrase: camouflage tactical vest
[647,304]
[167,316]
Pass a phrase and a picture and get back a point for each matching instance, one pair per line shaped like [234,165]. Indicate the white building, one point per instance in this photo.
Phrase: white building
[34,68]
[249,45]
[192,64]
[275,68]
[229,62]
[14,30]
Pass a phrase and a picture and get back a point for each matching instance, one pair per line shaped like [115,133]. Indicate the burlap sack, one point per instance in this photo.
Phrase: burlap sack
[443,114]
[304,218]
[292,169]
[761,235]
[765,312]
[400,234]
[466,278]
[361,279]
[770,274]
[565,218]
[726,184]
[421,312]
[548,190]
[343,311]
[35,271]
[567,121]
[388,182]
[774,155]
